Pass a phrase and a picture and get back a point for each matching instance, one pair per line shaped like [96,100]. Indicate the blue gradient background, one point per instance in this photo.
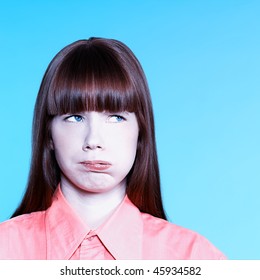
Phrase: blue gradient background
[202,61]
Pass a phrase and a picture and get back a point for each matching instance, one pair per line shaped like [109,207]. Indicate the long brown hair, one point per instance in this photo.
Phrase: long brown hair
[93,75]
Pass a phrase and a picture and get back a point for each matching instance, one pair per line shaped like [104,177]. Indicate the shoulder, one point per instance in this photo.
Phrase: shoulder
[21,233]
[22,223]
[176,242]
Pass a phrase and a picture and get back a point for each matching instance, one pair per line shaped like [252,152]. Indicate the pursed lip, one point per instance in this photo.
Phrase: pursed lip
[96,165]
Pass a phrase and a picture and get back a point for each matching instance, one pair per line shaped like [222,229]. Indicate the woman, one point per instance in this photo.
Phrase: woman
[94,189]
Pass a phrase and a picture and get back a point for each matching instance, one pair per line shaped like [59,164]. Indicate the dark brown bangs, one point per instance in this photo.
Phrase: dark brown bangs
[91,79]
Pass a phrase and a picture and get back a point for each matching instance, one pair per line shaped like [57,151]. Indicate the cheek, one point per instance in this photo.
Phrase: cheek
[125,148]
[60,156]
[65,140]
[64,150]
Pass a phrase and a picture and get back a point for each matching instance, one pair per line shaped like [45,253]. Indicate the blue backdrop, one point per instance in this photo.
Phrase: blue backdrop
[202,61]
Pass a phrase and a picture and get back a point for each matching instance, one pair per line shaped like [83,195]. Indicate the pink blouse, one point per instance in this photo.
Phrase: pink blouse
[58,233]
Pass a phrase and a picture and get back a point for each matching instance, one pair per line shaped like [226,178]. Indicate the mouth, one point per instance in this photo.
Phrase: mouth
[96,165]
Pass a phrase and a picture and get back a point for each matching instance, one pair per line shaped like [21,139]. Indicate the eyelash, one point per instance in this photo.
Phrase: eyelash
[75,116]
[118,116]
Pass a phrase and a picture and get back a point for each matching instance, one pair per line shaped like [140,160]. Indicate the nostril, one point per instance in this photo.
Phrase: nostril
[85,148]
[91,147]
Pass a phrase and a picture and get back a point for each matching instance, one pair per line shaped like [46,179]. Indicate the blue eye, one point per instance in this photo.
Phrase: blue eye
[116,118]
[74,118]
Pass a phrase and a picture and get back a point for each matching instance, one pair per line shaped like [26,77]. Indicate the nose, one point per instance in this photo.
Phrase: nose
[93,138]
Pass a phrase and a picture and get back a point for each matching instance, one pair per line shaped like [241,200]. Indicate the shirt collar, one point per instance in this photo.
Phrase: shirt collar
[121,234]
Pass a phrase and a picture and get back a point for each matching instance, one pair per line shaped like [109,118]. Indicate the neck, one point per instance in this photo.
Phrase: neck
[94,208]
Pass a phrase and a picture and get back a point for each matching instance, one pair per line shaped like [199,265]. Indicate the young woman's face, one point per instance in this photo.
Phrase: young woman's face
[95,151]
